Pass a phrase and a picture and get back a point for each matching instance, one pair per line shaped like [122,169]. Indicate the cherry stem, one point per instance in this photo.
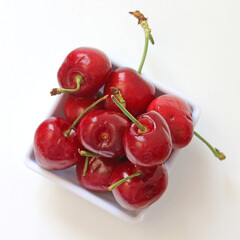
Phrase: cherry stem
[148,36]
[142,129]
[78,80]
[116,184]
[85,166]
[144,54]
[87,154]
[215,151]
[66,133]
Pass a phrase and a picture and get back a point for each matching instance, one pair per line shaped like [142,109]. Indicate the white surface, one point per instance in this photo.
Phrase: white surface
[196,52]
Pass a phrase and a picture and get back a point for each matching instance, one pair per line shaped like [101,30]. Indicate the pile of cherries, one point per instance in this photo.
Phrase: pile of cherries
[118,138]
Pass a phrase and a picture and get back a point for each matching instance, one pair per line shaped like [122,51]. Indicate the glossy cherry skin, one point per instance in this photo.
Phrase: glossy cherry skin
[178,116]
[52,149]
[75,106]
[136,92]
[141,191]
[101,132]
[150,148]
[99,172]
[92,64]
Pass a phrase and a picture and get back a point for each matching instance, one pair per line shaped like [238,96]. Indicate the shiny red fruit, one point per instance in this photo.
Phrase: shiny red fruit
[75,106]
[140,191]
[101,132]
[149,148]
[99,172]
[52,149]
[136,92]
[178,116]
[92,64]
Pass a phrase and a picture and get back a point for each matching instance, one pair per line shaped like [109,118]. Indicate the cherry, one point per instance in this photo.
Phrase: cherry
[75,106]
[52,149]
[178,115]
[97,176]
[136,92]
[147,141]
[101,132]
[136,187]
[83,72]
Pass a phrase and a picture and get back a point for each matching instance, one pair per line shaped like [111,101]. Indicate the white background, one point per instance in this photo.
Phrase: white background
[196,51]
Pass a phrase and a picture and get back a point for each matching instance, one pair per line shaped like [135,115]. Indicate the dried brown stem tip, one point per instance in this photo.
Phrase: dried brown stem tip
[55,91]
[220,155]
[118,95]
[143,22]
[137,14]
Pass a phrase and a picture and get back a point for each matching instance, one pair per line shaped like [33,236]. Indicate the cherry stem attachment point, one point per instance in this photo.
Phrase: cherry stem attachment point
[215,151]
[148,36]
[117,93]
[87,154]
[142,129]
[78,80]
[66,133]
[116,184]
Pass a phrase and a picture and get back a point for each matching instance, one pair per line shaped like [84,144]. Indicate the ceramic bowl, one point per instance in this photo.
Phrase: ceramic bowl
[68,179]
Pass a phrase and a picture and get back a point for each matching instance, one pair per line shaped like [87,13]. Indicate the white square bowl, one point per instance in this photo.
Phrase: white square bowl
[68,179]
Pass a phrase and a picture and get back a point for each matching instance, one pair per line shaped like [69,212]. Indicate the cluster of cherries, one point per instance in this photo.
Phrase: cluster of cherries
[110,152]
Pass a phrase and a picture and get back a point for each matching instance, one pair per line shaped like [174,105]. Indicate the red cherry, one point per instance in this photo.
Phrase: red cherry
[143,186]
[136,92]
[75,106]
[178,116]
[89,66]
[98,174]
[52,148]
[101,132]
[150,147]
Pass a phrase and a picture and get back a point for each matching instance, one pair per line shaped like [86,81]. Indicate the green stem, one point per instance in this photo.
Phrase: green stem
[148,36]
[78,80]
[215,151]
[66,133]
[87,154]
[129,115]
[116,184]
[151,38]
[144,53]
[85,166]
